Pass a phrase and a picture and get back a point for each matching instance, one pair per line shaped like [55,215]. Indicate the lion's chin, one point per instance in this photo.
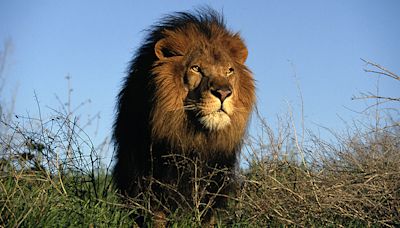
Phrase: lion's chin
[215,120]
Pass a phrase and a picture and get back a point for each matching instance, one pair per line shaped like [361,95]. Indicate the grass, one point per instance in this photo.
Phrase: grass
[47,180]
[353,182]
[51,174]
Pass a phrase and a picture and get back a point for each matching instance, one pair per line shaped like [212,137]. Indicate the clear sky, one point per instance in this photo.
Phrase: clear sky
[92,41]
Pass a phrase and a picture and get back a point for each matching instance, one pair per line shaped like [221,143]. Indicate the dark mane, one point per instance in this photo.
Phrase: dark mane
[202,18]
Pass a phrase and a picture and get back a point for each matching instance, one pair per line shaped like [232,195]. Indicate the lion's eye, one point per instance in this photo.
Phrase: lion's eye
[230,71]
[195,68]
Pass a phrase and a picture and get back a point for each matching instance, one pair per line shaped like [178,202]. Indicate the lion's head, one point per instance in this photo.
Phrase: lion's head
[200,79]
[206,70]
[188,92]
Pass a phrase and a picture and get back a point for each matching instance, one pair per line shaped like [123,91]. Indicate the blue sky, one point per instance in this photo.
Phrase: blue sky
[92,41]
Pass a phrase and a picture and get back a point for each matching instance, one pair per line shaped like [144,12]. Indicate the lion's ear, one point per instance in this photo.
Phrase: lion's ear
[164,49]
[238,49]
[159,48]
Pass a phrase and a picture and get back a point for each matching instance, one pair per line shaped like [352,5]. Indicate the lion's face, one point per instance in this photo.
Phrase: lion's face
[209,81]
[203,76]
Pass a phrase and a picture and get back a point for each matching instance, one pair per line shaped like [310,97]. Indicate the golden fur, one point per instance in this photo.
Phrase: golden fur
[188,93]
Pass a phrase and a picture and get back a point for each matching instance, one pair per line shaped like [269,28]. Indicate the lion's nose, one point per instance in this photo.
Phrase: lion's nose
[221,93]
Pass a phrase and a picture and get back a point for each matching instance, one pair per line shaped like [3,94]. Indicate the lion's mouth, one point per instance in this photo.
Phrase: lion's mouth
[221,110]
[212,115]
[216,120]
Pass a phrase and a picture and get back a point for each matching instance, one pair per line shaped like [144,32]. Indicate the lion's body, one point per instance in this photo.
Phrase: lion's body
[188,96]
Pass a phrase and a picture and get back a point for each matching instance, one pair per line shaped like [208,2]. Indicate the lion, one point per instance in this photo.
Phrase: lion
[188,96]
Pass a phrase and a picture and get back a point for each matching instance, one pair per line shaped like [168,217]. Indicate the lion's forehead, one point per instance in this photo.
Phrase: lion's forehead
[215,52]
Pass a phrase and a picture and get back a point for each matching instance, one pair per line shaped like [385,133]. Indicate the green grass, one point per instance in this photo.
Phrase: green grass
[33,199]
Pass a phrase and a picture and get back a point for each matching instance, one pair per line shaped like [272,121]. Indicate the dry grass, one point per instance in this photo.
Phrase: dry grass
[353,181]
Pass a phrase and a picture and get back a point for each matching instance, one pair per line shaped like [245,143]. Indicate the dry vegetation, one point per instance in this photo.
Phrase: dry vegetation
[353,181]
[52,175]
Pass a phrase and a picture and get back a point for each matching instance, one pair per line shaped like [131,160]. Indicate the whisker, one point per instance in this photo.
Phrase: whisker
[190,107]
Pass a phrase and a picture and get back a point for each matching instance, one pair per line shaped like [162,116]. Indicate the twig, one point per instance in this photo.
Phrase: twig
[385,71]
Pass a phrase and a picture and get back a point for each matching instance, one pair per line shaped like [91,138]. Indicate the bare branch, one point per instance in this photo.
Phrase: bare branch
[376,97]
[383,72]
